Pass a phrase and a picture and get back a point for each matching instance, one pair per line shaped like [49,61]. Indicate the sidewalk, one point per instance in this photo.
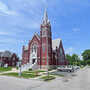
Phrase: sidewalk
[13,70]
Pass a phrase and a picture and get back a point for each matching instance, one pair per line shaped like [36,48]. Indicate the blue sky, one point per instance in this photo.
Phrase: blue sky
[70,20]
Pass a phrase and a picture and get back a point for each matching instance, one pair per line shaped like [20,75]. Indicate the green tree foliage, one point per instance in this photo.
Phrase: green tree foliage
[83,63]
[73,60]
[86,54]
[69,58]
[88,62]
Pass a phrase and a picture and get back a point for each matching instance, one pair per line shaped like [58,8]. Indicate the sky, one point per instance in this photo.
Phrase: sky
[20,19]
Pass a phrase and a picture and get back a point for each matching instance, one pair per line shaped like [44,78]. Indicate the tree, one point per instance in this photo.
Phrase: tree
[73,60]
[75,57]
[88,62]
[83,62]
[86,54]
[69,58]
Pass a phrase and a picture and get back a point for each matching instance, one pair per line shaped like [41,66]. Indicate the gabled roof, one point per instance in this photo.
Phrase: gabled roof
[36,34]
[38,37]
[55,43]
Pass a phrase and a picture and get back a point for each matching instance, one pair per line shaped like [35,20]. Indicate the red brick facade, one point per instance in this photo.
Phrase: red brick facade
[8,58]
[37,47]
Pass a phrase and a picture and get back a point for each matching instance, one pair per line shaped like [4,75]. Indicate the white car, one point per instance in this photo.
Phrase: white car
[76,67]
[66,69]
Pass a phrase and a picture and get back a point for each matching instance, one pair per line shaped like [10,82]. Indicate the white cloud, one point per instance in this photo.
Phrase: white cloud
[4,10]
[4,33]
[69,50]
[76,29]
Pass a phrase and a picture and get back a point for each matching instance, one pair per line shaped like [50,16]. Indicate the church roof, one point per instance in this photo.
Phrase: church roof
[55,43]
[5,54]
[37,35]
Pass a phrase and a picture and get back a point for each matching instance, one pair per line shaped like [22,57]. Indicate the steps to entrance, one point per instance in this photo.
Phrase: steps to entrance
[28,66]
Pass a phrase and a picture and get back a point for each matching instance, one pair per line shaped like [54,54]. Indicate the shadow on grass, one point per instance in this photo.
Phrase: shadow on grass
[48,78]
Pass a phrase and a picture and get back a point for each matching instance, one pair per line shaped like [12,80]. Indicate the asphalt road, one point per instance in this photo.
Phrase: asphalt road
[77,81]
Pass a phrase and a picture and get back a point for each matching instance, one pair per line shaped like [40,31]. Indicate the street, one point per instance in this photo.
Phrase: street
[80,80]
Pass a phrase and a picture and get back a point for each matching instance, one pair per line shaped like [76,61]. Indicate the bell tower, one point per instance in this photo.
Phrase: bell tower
[46,41]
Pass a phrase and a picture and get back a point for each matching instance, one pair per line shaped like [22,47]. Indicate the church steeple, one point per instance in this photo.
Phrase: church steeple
[45,18]
[46,35]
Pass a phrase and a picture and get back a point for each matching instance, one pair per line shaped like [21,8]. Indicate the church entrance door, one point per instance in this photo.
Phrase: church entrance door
[33,61]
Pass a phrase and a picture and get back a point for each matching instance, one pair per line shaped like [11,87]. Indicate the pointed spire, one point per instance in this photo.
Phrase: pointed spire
[45,18]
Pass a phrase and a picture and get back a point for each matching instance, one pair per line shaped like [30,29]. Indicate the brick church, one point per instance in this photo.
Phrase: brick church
[42,50]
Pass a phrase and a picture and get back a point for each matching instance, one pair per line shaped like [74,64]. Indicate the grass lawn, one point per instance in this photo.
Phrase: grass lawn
[23,75]
[48,78]
[2,69]
[29,72]
[37,71]
[41,71]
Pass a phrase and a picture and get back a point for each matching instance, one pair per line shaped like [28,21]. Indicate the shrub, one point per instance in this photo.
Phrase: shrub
[30,69]
[88,62]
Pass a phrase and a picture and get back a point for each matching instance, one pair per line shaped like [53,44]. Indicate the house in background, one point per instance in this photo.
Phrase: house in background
[42,49]
[8,58]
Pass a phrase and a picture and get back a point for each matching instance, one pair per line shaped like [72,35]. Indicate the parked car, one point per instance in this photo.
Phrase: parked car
[76,67]
[66,68]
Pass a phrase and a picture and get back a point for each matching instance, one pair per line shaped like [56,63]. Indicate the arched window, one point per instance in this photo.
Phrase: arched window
[34,48]
[43,33]
[61,51]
